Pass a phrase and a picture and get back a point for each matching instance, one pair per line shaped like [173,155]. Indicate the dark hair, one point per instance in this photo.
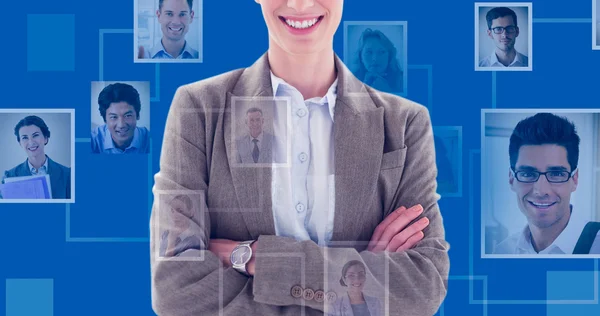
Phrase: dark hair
[542,129]
[499,12]
[347,266]
[33,120]
[118,92]
[251,110]
[160,4]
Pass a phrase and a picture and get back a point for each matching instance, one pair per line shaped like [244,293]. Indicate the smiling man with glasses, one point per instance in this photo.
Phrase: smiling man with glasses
[503,30]
[544,151]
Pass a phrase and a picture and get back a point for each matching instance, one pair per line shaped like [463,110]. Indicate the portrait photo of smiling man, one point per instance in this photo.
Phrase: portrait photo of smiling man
[168,31]
[119,124]
[549,158]
[502,37]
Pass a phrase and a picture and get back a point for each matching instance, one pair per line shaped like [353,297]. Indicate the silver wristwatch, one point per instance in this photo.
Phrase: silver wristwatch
[241,255]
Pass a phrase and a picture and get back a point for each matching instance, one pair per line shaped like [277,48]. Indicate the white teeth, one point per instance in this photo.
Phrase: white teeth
[301,24]
[543,205]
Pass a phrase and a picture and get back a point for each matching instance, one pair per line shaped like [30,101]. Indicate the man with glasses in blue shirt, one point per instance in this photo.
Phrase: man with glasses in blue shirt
[503,30]
[544,151]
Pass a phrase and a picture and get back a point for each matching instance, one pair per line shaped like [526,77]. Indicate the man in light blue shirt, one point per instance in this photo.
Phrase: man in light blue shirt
[175,17]
[119,105]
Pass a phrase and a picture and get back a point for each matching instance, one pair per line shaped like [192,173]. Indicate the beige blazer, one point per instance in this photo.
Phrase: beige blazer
[384,159]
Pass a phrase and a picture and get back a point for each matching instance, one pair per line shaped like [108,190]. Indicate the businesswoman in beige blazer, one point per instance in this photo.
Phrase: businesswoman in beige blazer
[273,232]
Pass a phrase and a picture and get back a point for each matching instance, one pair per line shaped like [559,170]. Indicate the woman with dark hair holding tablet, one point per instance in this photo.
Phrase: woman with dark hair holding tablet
[33,135]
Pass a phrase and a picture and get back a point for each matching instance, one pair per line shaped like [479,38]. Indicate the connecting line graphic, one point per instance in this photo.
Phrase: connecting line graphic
[155,98]
[539,20]
[493,89]
[485,301]
[429,69]
[470,278]
[102,32]
[69,238]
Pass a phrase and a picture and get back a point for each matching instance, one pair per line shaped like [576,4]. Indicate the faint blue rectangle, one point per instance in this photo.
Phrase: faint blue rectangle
[574,310]
[26,297]
[50,42]
[570,285]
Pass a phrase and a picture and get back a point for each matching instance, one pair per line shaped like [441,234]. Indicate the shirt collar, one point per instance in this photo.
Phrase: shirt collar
[565,242]
[43,167]
[259,137]
[109,144]
[159,47]
[329,98]
[494,59]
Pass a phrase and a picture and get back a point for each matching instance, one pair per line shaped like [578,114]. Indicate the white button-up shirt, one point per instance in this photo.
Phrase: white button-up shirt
[303,195]
[492,61]
[520,243]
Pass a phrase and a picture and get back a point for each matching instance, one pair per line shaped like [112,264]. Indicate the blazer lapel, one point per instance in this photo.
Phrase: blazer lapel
[252,184]
[359,139]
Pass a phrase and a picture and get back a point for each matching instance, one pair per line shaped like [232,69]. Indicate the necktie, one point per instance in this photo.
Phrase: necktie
[255,151]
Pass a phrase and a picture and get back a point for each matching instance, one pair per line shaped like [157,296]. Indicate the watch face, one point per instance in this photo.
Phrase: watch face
[240,255]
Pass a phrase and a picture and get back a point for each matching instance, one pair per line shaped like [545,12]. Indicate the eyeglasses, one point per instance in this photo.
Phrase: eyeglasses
[500,29]
[552,176]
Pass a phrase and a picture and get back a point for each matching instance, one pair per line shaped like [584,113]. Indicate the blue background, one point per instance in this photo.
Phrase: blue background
[92,257]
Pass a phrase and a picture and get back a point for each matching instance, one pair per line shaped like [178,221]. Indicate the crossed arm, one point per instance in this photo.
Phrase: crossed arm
[393,234]
[207,286]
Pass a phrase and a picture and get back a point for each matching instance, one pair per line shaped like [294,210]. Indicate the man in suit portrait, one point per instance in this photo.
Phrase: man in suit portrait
[257,145]
[267,258]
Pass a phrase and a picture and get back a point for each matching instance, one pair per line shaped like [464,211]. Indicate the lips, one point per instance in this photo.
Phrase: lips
[301,25]
[541,205]
[122,133]
[33,148]
[175,29]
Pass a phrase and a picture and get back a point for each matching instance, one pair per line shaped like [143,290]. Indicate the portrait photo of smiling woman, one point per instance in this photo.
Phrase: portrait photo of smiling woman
[375,52]
[46,146]
[120,118]
[361,172]
[356,302]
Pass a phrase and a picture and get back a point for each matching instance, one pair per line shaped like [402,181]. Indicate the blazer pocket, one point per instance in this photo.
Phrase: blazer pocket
[393,159]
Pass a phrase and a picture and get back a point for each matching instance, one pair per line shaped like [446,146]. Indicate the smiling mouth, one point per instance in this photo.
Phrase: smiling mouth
[541,206]
[33,148]
[176,30]
[122,133]
[301,24]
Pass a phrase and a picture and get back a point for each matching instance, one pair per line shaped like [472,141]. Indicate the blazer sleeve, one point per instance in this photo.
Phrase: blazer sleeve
[193,281]
[417,278]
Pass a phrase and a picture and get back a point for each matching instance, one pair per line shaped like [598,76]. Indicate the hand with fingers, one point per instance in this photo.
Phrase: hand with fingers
[395,234]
